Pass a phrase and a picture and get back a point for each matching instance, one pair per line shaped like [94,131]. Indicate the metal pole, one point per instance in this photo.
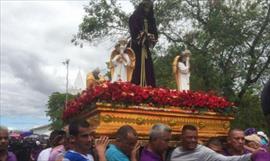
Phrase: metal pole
[67,63]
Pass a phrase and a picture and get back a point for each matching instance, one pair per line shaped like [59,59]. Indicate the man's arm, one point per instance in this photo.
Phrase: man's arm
[246,157]
[117,158]
[211,155]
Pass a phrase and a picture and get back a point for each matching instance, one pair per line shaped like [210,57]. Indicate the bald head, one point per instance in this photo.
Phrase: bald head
[3,138]
[236,140]
[235,130]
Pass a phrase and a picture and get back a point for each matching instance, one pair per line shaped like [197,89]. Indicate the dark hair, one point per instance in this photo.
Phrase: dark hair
[139,15]
[250,131]
[214,141]
[123,131]
[140,11]
[75,125]
[232,130]
[56,136]
[189,127]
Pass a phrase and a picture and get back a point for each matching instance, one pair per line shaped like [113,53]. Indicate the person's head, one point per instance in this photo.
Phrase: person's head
[145,8]
[159,137]
[126,138]
[184,55]
[57,137]
[189,137]
[80,136]
[96,73]
[183,58]
[253,141]
[250,131]
[236,140]
[67,143]
[121,45]
[264,138]
[215,144]
[3,138]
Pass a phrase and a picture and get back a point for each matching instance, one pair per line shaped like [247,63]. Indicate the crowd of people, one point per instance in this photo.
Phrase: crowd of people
[78,144]
[25,147]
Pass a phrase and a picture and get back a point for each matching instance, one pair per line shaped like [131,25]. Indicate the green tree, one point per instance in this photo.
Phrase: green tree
[229,41]
[56,105]
[250,114]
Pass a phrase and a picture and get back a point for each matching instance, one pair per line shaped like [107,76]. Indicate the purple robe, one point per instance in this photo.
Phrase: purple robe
[11,157]
[261,156]
[136,26]
[149,156]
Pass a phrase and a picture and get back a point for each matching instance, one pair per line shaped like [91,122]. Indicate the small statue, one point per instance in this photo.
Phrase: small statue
[181,70]
[122,62]
[94,78]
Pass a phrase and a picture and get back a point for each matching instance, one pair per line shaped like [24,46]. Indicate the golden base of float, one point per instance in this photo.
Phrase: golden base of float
[105,119]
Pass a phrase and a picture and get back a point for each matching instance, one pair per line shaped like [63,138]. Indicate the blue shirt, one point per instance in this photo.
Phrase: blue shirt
[115,154]
[75,156]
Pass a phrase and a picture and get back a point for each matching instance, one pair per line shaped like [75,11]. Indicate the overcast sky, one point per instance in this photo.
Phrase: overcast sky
[35,40]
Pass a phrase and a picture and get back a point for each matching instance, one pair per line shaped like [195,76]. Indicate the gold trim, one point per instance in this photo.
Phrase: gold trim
[106,119]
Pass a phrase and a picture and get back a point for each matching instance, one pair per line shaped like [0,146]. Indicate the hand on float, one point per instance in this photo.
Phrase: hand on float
[134,151]
[100,146]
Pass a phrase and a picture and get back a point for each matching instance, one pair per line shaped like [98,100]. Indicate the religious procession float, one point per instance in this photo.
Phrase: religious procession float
[131,96]
[108,106]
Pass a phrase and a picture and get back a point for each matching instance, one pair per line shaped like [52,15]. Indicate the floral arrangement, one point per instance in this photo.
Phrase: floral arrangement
[125,93]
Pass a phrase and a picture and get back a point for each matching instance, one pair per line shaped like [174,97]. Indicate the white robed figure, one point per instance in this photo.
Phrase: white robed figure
[122,62]
[181,68]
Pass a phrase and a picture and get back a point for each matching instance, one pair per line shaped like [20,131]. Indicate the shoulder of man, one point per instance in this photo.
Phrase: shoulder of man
[179,150]
[44,154]
[168,153]
[114,154]
[12,156]
[74,156]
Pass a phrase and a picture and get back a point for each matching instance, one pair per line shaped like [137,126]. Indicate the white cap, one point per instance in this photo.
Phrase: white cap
[37,142]
[255,138]
[261,133]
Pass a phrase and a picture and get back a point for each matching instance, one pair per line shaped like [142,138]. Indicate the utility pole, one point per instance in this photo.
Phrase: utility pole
[66,62]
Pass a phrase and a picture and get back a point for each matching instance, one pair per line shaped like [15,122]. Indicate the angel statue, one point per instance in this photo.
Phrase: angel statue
[122,62]
[181,70]
[94,78]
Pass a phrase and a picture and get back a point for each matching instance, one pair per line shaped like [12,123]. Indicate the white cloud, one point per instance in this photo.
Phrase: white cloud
[35,39]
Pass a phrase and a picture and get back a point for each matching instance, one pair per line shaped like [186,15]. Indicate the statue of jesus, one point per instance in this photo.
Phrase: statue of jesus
[143,30]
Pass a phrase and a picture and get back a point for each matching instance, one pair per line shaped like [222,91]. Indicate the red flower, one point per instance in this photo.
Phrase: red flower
[130,94]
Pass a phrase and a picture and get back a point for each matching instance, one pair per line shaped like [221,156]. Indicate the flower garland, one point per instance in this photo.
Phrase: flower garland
[126,93]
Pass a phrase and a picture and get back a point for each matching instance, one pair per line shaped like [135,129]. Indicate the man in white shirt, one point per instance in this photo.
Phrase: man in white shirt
[191,151]
[44,154]
[55,139]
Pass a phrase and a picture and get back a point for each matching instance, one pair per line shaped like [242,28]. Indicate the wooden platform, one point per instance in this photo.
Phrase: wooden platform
[105,119]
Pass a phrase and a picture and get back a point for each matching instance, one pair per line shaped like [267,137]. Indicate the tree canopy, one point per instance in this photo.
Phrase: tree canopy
[56,105]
